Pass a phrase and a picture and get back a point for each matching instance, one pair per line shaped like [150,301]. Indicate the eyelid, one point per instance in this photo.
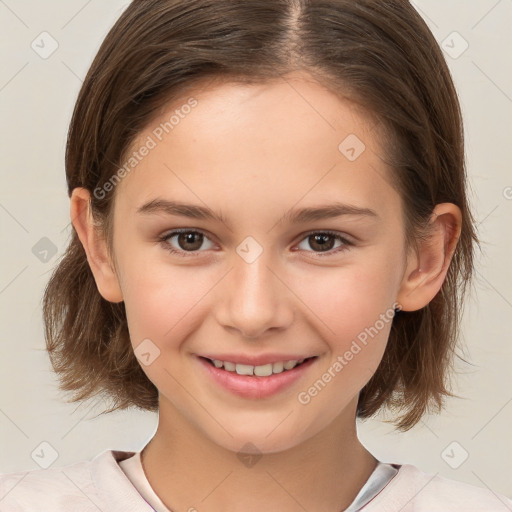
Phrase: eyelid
[177,231]
[346,240]
[171,234]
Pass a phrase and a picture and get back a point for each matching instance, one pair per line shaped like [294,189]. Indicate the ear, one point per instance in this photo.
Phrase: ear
[95,246]
[426,271]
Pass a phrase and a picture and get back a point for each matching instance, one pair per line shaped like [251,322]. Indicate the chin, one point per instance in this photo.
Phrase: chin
[258,439]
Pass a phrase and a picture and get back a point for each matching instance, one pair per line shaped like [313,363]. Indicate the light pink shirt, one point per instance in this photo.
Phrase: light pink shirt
[379,478]
[102,485]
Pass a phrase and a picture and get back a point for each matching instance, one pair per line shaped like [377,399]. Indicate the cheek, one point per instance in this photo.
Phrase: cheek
[353,311]
[350,298]
[359,320]
[163,301]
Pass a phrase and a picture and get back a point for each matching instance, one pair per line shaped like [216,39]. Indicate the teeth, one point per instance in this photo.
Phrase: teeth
[244,369]
[230,367]
[278,367]
[264,370]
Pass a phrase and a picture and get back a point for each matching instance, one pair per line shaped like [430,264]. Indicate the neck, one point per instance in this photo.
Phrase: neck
[188,471]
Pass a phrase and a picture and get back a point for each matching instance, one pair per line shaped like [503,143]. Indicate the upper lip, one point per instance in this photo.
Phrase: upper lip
[256,360]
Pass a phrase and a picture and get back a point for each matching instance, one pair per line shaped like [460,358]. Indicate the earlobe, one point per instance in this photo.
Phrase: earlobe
[94,245]
[426,271]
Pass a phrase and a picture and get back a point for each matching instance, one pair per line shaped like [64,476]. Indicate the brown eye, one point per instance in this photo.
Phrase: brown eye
[190,241]
[185,241]
[321,242]
[325,242]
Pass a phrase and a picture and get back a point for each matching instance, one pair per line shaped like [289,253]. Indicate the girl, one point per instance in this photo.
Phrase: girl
[271,239]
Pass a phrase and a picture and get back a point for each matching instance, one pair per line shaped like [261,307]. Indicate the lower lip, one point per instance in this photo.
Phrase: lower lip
[251,386]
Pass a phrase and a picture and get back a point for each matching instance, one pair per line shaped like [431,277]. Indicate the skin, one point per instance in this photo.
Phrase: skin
[253,153]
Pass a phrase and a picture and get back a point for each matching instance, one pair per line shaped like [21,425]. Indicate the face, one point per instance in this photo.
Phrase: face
[291,249]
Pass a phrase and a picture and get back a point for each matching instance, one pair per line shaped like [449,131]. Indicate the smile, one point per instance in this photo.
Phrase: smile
[255,381]
[264,370]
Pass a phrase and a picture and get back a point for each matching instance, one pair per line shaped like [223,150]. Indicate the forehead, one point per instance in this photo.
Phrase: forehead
[273,143]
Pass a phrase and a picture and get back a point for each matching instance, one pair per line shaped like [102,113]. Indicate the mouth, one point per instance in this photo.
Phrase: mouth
[264,370]
[272,375]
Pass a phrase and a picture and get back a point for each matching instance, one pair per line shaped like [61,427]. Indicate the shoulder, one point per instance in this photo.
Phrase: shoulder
[84,486]
[412,489]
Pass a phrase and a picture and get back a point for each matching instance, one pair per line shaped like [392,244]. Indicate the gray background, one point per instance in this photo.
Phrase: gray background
[37,96]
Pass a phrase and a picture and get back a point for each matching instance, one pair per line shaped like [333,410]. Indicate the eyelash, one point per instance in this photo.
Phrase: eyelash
[165,238]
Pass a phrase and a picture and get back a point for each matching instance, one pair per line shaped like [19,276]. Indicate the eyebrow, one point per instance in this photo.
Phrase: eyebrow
[297,216]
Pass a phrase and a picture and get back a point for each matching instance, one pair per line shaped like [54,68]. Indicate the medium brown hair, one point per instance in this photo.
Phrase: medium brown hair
[380,54]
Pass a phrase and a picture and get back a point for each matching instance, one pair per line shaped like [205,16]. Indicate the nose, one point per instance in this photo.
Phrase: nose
[254,298]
